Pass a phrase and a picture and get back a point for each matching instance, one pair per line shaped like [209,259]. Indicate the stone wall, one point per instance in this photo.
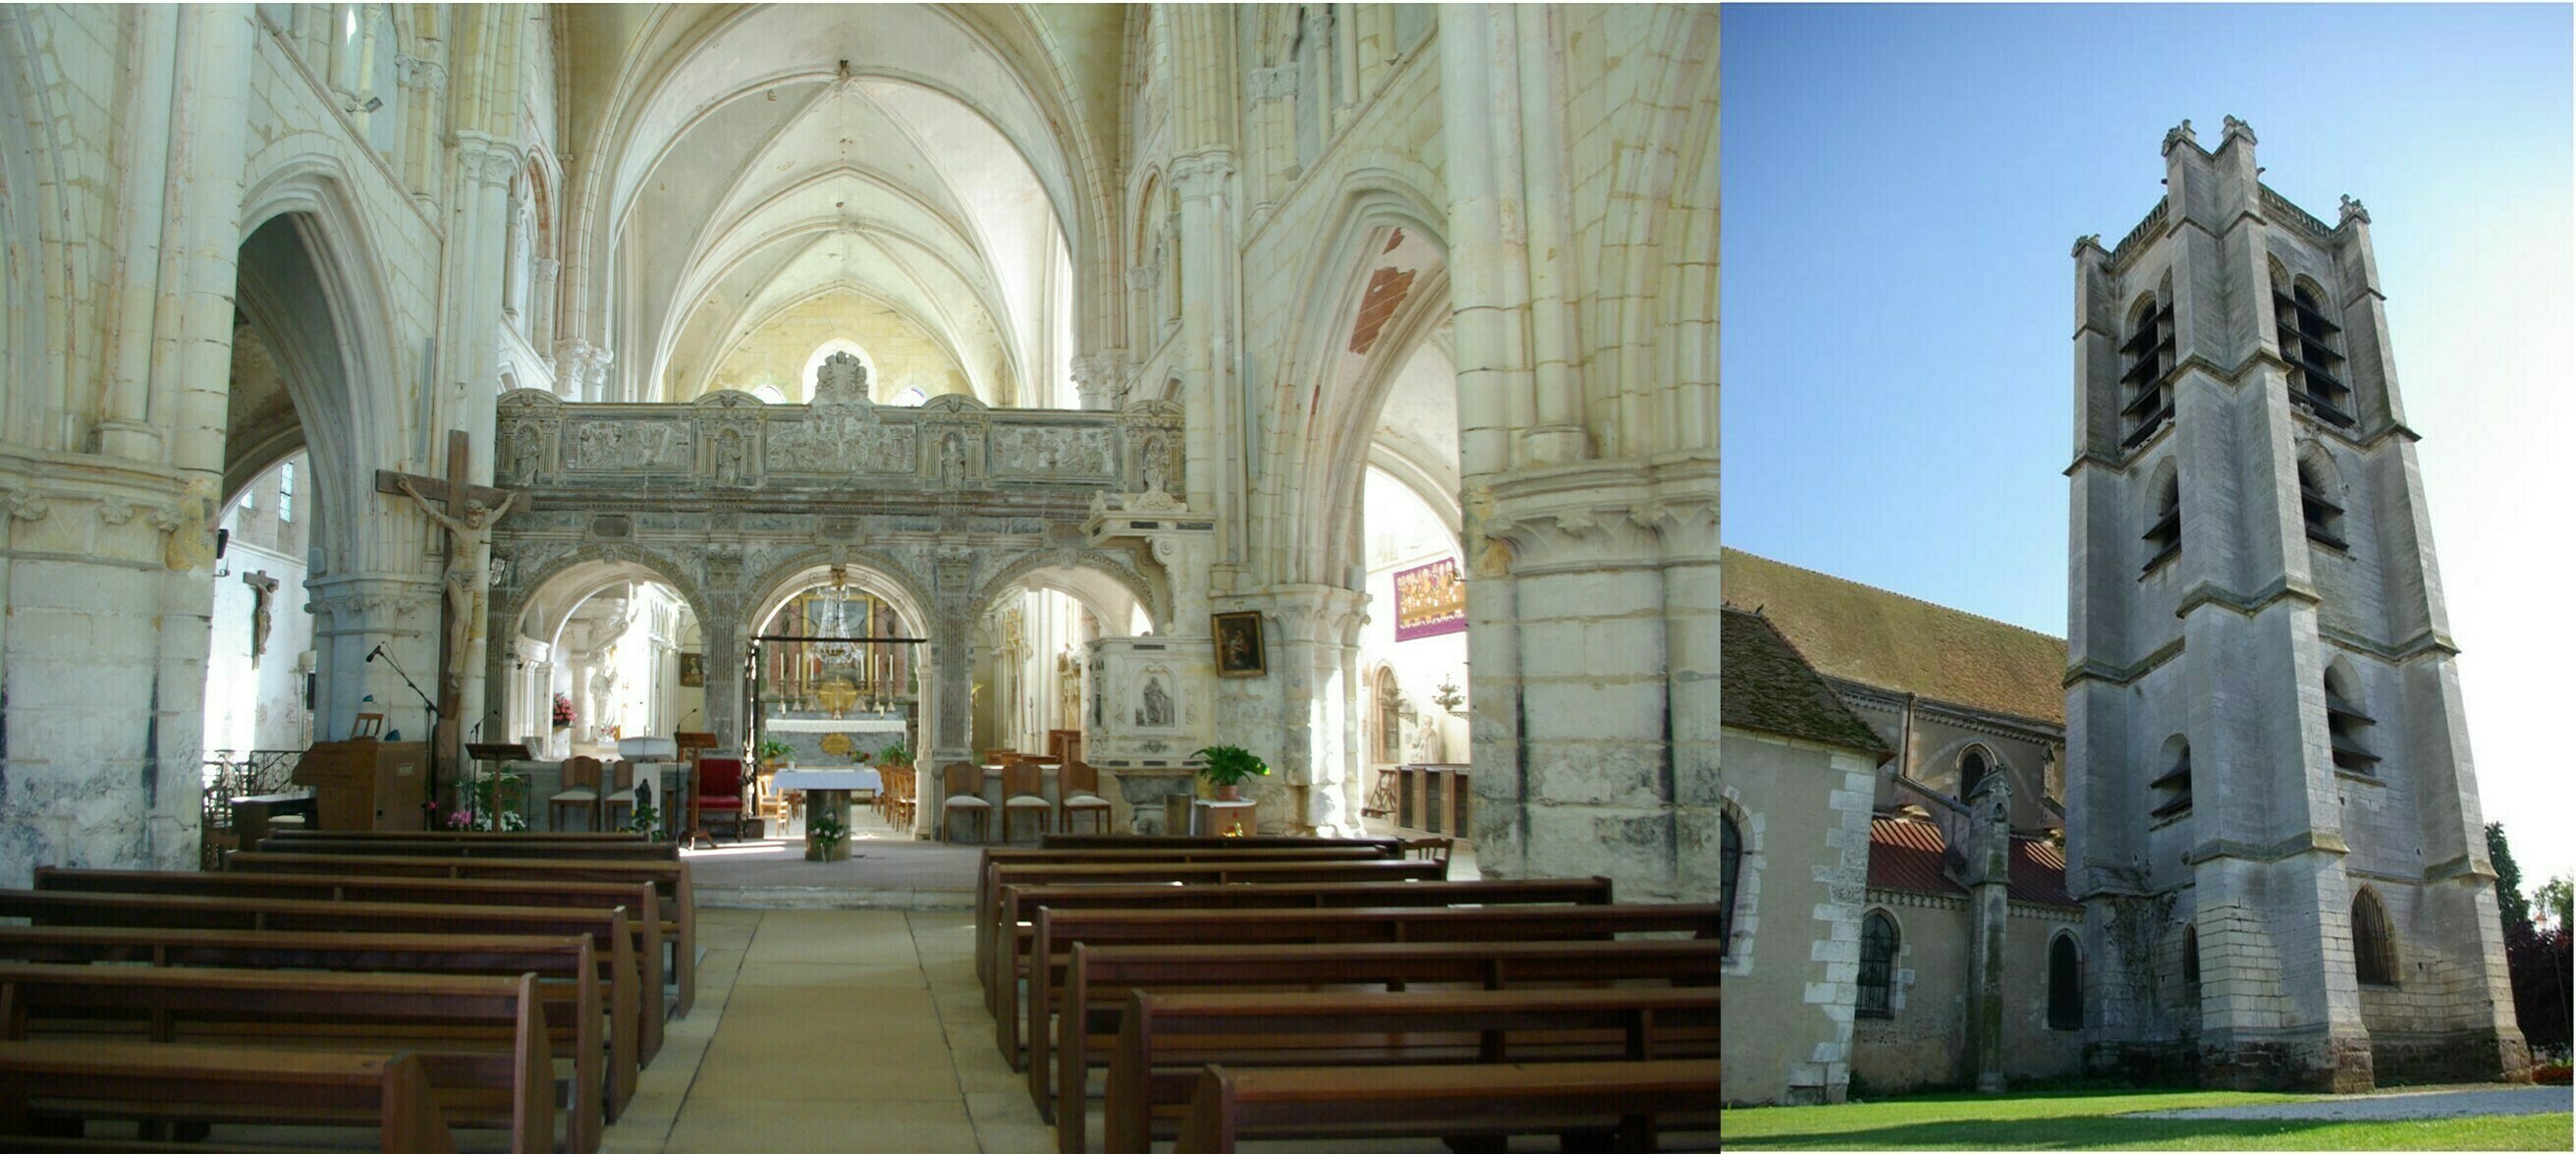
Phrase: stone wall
[906,355]
[1803,810]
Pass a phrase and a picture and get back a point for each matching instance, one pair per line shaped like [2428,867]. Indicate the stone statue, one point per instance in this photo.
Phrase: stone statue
[1157,710]
[469,567]
[1068,679]
[952,462]
[603,696]
[263,596]
[1154,453]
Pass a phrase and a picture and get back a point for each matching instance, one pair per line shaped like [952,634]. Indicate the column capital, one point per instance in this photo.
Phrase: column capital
[1201,174]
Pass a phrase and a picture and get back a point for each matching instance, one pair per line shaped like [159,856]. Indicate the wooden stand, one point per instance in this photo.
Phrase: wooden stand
[366,785]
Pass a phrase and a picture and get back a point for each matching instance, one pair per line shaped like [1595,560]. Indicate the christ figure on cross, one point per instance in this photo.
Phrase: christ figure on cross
[469,565]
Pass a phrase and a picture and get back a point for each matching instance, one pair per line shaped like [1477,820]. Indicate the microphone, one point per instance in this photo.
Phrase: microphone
[378,652]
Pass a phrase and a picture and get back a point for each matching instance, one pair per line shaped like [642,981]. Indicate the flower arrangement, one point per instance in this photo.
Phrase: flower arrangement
[825,838]
[563,709]
[644,819]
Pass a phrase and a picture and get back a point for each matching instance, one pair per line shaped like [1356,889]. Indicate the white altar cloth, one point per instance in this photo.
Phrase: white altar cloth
[843,779]
[827,725]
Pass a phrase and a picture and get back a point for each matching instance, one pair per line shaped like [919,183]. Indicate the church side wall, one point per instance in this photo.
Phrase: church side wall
[1924,1042]
[1796,954]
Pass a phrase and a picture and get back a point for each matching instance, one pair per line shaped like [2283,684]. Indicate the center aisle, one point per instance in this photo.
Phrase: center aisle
[832,1030]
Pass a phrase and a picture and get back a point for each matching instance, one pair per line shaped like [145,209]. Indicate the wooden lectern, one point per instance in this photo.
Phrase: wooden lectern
[366,784]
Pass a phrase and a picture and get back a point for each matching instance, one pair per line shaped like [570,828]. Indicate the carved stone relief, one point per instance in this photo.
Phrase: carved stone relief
[628,445]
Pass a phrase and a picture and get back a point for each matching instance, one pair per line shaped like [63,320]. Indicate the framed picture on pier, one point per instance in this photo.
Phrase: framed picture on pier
[693,669]
[1238,644]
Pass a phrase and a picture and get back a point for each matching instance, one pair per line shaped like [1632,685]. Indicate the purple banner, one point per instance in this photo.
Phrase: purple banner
[1430,600]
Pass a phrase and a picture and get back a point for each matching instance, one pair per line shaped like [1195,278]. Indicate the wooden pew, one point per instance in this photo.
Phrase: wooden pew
[1098,980]
[671,879]
[1219,872]
[1018,906]
[488,845]
[449,835]
[1389,846]
[510,1081]
[1059,930]
[1633,1100]
[1167,1037]
[568,975]
[611,938]
[986,890]
[639,898]
[186,1083]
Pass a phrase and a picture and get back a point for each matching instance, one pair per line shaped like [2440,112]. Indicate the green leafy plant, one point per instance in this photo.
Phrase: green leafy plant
[645,820]
[493,801]
[826,831]
[773,749]
[895,757]
[1230,765]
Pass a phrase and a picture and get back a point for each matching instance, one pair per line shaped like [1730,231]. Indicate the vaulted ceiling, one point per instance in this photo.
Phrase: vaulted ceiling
[770,155]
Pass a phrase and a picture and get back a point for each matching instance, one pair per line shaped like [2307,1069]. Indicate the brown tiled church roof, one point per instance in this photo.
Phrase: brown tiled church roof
[1859,633]
[1764,685]
[1905,854]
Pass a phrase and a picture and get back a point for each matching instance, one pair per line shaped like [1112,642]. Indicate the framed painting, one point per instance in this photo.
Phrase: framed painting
[693,669]
[1238,644]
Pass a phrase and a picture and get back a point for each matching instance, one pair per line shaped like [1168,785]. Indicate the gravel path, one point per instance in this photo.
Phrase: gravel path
[2385,1107]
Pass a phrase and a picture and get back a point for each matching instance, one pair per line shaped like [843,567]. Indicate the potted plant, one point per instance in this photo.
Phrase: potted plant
[773,752]
[895,757]
[1227,767]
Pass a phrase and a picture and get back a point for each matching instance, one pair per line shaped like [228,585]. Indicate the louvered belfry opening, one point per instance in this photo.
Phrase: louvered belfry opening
[2309,342]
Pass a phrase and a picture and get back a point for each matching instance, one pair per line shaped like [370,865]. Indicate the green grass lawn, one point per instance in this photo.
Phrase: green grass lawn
[2086,1120]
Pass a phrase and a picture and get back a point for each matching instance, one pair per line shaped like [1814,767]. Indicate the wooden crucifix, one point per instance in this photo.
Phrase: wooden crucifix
[470,512]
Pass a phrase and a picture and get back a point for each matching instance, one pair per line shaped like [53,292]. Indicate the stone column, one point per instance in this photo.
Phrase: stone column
[1989,908]
[541,303]
[1100,379]
[1217,454]
[721,631]
[351,616]
[1318,647]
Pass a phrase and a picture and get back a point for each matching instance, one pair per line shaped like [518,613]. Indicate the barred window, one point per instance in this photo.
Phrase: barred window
[2374,946]
[2065,985]
[1877,964]
[1730,864]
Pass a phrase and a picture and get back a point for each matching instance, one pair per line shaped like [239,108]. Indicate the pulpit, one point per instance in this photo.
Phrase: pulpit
[367,785]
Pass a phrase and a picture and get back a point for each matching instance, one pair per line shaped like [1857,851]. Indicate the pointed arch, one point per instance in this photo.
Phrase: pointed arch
[2065,983]
[2162,516]
[2374,940]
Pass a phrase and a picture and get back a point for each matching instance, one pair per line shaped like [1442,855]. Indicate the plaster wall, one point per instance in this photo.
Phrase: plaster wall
[1795,951]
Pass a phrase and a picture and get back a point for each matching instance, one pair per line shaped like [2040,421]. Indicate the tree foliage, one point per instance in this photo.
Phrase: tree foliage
[2509,899]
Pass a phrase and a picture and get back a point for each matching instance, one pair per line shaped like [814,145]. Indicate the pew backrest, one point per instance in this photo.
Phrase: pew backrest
[311,1087]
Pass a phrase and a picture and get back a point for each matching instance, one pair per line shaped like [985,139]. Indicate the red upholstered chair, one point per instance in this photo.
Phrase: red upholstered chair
[719,791]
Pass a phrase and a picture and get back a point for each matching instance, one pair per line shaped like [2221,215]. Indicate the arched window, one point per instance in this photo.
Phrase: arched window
[2321,499]
[2065,985]
[910,398]
[1730,860]
[770,393]
[2191,957]
[824,351]
[2347,724]
[2164,522]
[2309,343]
[2171,790]
[2374,945]
[1877,963]
[1972,770]
[1390,743]
[2149,355]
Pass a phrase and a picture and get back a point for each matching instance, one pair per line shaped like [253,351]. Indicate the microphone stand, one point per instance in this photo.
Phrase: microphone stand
[432,706]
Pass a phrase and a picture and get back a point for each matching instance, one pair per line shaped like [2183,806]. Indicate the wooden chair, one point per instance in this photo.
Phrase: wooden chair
[620,784]
[1428,849]
[580,789]
[961,787]
[1024,791]
[719,789]
[1078,792]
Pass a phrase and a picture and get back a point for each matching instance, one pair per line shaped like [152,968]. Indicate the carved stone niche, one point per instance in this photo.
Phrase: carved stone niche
[1149,707]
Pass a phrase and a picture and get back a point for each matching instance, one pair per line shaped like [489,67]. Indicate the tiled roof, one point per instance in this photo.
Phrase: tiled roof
[1765,686]
[1906,854]
[1855,632]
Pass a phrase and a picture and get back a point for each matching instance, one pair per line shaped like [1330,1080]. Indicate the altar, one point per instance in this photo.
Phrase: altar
[828,741]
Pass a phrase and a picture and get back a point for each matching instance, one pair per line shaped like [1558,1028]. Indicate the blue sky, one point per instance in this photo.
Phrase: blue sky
[1901,185]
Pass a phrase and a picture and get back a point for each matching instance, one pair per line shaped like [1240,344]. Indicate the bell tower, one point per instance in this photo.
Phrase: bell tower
[2272,820]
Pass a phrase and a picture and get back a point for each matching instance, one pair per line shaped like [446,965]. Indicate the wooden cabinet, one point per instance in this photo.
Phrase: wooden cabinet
[367,784]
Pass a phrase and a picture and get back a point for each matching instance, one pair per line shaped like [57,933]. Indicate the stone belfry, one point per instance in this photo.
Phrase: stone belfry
[2271,816]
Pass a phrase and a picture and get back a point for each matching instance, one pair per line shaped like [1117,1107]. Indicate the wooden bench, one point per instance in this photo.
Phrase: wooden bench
[1098,980]
[1167,1037]
[1059,930]
[70,1080]
[612,938]
[1213,873]
[986,890]
[448,835]
[670,879]
[568,977]
[640,899]
[1631,1100]
[487,845]
[1018,908]
[1390,847]
[509,1082]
